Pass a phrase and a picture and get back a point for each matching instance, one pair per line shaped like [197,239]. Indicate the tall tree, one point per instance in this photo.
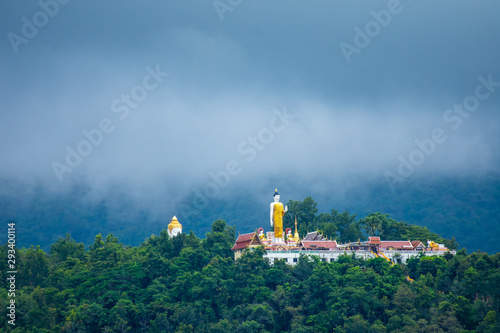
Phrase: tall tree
[305,211]
[67,247]
[349,229]
[221,239]
[372,224]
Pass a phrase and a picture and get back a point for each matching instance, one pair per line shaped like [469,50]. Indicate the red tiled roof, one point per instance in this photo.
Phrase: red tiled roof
[243,241]
[374,240]
[241,245]
[319,244]
[245,237]
[416,243]
[396,244]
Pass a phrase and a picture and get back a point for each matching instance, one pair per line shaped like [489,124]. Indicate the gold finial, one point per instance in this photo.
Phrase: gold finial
[174,224]
[296,235]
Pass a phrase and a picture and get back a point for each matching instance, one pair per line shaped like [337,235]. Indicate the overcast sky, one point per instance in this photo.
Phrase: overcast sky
[260,87]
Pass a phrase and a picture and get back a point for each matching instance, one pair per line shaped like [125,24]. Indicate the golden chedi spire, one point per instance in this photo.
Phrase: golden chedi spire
[174,227]
[296,235]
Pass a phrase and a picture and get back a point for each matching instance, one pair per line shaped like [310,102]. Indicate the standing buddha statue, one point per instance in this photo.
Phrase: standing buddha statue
[277,212]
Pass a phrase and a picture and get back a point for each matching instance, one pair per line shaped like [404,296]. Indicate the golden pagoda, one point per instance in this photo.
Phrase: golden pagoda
[174,227]
[296,235]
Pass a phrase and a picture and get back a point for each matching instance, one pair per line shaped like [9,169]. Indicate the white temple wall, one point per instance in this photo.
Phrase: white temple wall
[333,255]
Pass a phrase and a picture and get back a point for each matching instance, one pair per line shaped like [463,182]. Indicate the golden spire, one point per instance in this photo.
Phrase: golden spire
[296,235]
[174,224]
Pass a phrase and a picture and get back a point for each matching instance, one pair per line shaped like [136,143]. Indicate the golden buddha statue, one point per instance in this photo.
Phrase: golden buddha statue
[277,212]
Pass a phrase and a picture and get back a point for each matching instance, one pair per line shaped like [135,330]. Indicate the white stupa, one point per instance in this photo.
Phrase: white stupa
[174,227]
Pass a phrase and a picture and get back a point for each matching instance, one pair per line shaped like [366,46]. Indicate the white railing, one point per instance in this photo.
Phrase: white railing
[390,254]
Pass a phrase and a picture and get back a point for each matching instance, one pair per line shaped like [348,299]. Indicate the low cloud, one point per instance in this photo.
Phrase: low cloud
[226,78]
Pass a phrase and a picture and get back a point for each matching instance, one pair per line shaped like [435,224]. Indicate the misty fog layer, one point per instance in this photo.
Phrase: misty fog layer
[167,98]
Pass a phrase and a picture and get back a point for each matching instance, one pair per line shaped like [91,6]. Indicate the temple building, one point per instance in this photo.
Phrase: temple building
[246,241]
[396,245]
[315,244]
[286,245]
[174,227]
[290,247]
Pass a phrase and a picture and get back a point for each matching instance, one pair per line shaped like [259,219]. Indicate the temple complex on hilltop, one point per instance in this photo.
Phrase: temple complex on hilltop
[289,247]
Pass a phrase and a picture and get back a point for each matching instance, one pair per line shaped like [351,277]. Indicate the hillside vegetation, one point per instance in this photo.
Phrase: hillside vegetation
[188,284]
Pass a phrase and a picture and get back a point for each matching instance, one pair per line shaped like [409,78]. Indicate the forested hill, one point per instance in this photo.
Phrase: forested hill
[467,209]
[188,284]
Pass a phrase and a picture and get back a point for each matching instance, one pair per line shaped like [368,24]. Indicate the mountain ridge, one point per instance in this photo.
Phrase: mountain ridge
[465,208]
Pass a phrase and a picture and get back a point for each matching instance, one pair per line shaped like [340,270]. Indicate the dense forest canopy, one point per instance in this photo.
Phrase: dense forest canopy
[188,284]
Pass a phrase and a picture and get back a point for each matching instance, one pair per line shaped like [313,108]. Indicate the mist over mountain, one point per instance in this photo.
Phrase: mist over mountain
[464,208]
[189,109]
